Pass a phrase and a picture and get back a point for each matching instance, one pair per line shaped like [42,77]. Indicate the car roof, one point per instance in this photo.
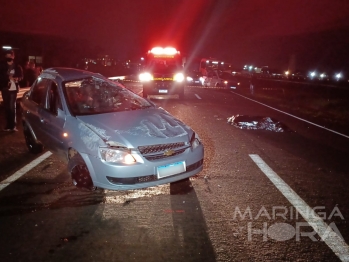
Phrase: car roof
[66,73]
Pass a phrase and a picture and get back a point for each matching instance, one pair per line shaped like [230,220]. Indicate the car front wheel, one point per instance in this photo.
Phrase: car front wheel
[33,146]
[79,173]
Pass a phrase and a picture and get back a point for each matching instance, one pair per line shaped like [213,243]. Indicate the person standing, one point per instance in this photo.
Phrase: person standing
[10,75]
[30,74]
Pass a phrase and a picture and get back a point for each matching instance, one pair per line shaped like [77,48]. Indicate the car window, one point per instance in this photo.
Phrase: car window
[93,95]
[164,66]
[54,101]
[38,93]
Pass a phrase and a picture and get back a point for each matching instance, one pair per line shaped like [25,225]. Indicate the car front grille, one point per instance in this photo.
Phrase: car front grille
[150,178]
[162,156]
[160,151]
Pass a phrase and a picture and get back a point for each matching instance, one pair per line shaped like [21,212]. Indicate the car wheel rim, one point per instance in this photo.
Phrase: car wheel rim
[81,177]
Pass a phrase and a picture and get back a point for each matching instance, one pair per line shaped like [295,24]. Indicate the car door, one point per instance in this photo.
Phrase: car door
[34,106]
[53,120]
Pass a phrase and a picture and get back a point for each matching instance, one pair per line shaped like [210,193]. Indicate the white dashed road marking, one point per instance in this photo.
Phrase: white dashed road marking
[24,170]
[198,97]
[331,238]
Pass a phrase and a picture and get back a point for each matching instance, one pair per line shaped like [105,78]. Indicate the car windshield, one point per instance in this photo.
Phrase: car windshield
[164,66]
[94,95]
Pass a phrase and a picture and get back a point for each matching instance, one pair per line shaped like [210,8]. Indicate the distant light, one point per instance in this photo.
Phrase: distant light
[322,75]
[214,62]
[251,67]
[339,75]
[312,74]
[189,79]
[286,73]
[7,47]
[222,63]
[65,134]
[142,58]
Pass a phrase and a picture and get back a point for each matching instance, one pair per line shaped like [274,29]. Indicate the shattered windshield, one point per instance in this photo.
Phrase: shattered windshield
[94,95]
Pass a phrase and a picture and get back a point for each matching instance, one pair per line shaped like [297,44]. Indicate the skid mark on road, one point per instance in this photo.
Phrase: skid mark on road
[293,116]
[331,238]
[23,170]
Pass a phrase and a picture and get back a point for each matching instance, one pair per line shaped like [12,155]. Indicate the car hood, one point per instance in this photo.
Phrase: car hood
[137,128]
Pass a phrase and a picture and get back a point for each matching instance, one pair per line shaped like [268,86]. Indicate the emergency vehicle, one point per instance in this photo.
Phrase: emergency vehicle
[163,73]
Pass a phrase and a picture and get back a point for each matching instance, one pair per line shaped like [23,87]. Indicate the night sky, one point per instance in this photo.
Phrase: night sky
[301,34]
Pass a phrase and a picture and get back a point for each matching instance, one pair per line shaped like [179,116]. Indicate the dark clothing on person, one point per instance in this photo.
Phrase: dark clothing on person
[9,90]
[9,102]
[5,72]
[29,76]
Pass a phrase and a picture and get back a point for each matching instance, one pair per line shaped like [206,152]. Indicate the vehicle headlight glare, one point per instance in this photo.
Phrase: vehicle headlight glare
[179,77]
[117,156]
[145,77]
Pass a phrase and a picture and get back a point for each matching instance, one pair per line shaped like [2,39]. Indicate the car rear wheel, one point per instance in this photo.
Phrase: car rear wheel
[33,146]
[79,173]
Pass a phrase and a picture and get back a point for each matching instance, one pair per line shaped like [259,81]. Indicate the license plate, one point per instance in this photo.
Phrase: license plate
[171,169]
[163,91]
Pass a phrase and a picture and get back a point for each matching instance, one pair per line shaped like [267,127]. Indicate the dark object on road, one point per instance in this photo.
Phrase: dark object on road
[257,122]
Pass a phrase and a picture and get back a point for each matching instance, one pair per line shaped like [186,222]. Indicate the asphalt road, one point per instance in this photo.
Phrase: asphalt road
[252,201]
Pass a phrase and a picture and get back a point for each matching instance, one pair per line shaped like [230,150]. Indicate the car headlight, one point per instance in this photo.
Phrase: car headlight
[119,156]
[194,141]
[145,77]
[179,77]
[189,79]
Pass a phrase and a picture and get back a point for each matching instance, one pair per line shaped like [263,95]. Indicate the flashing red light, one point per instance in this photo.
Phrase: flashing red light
[164,51]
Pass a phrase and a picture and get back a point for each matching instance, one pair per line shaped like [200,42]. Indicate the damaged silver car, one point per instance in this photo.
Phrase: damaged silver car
[110,137]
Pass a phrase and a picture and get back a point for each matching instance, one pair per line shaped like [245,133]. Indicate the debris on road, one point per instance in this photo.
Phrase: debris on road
[257,123]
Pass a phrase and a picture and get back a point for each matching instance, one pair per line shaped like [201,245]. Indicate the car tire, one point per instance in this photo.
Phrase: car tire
[33,146]
[79,173]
